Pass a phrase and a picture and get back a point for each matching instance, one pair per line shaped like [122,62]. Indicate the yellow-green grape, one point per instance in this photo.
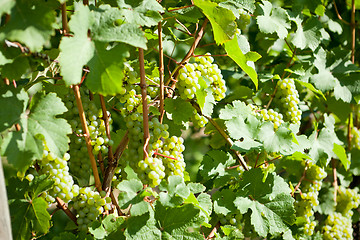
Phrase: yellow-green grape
[346,200]
[211,71]
[273,116]
[198,120]
[355,140]
[79,164]
[89,205]
[289,97]
[188,81]
[337,227]
[58,171]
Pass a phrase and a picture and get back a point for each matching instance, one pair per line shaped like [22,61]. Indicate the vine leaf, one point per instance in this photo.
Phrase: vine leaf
[106,69]
[142,227]
[131,192]
[270,202]
[76,51]
[235,5]
[180,109]
[276,141]
[273,20]
[233,50]
[221,19]
[106,29]
[21,147]
[6,5]
[308,35]
[141,12]
[177,221]
[24,25]
[29,211]
[341,154]
[214,166]
[13,103]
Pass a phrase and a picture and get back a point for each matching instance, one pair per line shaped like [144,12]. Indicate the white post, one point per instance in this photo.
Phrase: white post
[5,224]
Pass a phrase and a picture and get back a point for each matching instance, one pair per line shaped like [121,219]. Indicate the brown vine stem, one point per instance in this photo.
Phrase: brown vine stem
[335,182]
[110,170]
[338,14]
[175,73]
[161,72]
[213,231]
[87,137]
[301,179]
[176,9]
[107,125]
[65,25]
[353,25]
[144,103]
[62,205]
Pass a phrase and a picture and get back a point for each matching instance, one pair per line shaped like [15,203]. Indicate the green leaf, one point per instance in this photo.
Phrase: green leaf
[307,35]
[6,5]
[131,193]
[341,154]
[224,202]
[76,51]
[214,166]
[276,141]
[103,28]
[16,68]
[13,102]
[177,221]
[233,50]
[141,12]
[29,216]
[221,19]
[270,202]
[142,228]
[342,92]
[180,109]
[273,20]
[31,23]
[236,5]
[311,88]
[40,125]
[106,69]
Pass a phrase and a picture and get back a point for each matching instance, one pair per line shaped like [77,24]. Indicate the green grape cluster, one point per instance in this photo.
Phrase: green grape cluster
[355,140]
[89,205]
[198,120]
[165,153]
[232,219]
[79,164]
[58,171]
[243,20]
[346,200]
[288,96]
[309,197]
[337,227]
[211,71]
[268,115]
[273,116]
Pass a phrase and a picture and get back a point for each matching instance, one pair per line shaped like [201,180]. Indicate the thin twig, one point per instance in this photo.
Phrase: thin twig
[107,125]
[185,28]
[87,137]
[353,25]
[301,179]
[213,231]
[161,72]
[338,14]
[110,169]
[62,205]
[115,202]
[335,182]
[189,54]
[176,9]
[144,103]
[65,25]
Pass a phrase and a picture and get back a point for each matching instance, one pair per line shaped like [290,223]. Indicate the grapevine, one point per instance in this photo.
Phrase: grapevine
[200,119]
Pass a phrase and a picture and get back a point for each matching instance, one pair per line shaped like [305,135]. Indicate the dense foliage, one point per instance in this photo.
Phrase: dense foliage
[191,119]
